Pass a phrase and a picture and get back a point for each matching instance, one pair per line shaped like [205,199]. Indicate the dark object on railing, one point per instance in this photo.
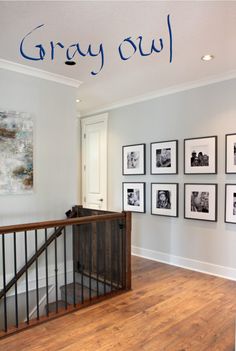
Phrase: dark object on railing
[101,254]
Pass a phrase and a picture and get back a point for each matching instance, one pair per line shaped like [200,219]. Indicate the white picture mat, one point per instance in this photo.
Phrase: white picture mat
[229,216]
[134,148]
[140,187]
[231,167]
[211,188]
[192,144]
[163,145]
[162,211]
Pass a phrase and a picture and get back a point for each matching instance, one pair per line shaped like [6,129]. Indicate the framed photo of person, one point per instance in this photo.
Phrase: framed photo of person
[230,203]
[200,202]
[164,157]
[200,155]
[164,199]
[134,197]
[230,153]
[133,159]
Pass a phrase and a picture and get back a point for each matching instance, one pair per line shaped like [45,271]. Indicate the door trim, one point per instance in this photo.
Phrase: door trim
[84,123]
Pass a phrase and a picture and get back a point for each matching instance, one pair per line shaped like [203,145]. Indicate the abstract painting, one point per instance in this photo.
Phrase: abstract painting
[16,153]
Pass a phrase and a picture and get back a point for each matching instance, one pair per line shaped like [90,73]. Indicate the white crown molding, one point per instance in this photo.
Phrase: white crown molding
[163,92]
[35,72]
[187,263]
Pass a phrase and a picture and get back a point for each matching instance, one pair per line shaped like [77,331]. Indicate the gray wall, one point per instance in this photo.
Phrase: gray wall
[209,110]
[56,151]
[53,109]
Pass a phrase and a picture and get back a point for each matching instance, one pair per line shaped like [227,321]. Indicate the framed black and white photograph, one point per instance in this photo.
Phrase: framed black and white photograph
[164,157]
[200,202]
[230,153]
[200,155]
[164,199]
[133,158]
[230,203]
[134,197]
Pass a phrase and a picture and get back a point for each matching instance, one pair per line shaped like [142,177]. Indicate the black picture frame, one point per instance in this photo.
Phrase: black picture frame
[203,215]
[129,163]
[230,157]
[172,167]
[230,211]
[200,143]
[132,189]
[162,211]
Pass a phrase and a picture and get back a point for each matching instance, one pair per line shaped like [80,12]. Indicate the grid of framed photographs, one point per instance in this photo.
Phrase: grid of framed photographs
[200,158]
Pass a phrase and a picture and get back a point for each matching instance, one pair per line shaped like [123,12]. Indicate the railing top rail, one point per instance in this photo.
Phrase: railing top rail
[60,223]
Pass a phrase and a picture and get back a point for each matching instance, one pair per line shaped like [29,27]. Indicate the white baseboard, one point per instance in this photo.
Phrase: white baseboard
[194,265]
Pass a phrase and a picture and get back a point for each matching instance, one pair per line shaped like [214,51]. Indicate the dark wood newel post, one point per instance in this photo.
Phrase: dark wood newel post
[128,226]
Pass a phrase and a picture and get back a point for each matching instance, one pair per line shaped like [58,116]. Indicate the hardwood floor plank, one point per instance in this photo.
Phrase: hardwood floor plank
[169,309]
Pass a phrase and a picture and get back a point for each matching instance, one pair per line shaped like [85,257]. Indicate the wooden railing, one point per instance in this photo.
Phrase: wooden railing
[64,265]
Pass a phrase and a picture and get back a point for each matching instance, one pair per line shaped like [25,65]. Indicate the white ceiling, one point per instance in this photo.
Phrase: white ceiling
[198,27]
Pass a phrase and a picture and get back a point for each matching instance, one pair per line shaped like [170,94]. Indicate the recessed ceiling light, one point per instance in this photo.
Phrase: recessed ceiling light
[207,57]
[78,100]
[70,63]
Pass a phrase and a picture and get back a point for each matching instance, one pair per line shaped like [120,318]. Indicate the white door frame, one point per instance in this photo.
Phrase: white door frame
[84,123]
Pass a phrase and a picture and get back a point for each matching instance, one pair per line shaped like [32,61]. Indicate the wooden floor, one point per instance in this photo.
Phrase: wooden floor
[168,309]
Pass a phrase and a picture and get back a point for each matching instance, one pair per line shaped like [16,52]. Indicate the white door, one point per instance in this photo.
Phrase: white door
[94,162]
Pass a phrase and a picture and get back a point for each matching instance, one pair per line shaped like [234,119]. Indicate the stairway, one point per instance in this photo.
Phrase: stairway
[82,292]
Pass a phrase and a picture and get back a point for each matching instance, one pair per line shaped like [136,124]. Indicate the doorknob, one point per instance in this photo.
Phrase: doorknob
[100,200]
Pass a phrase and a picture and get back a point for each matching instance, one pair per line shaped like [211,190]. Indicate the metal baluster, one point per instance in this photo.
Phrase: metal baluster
[111,256]
[104,252]
[74,296]
[46,268]
[37,272]
[65,267]
[90,262]
[26,279]
[15,272]
[4,281]
[97,259]
[56,278]
[124,263]
[82,269]
[119,234]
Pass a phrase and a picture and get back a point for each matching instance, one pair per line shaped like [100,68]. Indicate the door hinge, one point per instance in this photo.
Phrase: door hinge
[84,136]
[84,167]
[84,198]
